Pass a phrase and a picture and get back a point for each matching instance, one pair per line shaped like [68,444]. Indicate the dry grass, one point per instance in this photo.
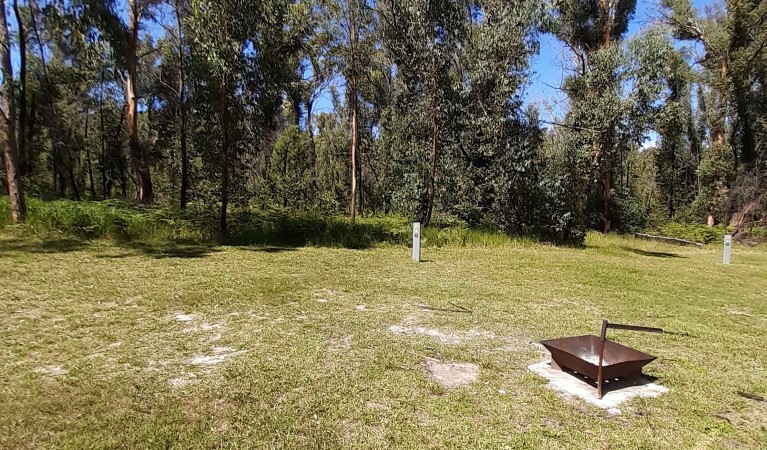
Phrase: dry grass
[188,346]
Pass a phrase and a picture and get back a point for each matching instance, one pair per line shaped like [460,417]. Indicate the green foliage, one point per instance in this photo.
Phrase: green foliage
[122,221]
[112,219]
[436,77]
[692,232]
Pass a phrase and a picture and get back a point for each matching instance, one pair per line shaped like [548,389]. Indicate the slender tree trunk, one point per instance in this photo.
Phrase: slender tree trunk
[353,106]
[57,129]
[717,134]
[30,157]
[606,142]
[285,155]
[73,181]
[22,151]
[182,110]
[88,155]
[8,126]
[312,150]
[103,156]
[184,160]
[672,194]
[224,157]
[607,182]
[433,166]
[144,188]
[361,187]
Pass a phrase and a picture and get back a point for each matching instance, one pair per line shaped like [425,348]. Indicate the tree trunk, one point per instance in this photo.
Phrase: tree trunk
[88,155]
[224,158]
[103,158]
[312,150]
[56,128]
[607,177]
[605,12]
[8,126]
[144,189]
[672,193]
[433,166]
[22,150]
[30,157]
[353,106]
[182,111]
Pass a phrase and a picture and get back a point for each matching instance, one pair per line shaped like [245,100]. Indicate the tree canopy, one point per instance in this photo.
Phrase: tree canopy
[414,108]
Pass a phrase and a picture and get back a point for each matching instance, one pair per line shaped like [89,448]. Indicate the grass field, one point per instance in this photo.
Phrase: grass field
[193,346]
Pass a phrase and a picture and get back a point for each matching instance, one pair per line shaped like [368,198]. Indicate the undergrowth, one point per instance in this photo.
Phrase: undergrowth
[120,220]
[702,233]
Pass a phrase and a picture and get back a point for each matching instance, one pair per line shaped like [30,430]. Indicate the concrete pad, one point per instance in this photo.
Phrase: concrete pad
[572,386]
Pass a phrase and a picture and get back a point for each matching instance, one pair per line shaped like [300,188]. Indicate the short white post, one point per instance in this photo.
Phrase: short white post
[417,241]
[727,248]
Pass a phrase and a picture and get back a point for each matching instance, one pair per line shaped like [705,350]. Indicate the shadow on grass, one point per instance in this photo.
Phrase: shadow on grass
[9,247]
[171,249]
[266,249]
[652,254]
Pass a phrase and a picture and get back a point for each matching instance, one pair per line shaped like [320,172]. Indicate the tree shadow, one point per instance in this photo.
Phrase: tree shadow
[652,254]
[49,246]
[170,249]
[266,249]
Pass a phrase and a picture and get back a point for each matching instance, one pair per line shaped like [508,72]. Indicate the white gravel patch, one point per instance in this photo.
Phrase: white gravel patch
[442,336]
[570,386]
[217,356]
[51,371]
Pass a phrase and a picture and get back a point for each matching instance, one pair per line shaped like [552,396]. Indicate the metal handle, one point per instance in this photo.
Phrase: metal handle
[603,338]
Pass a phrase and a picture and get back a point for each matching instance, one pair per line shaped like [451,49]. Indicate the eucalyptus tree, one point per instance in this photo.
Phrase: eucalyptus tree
[422,37]
[494,164]
[593,30]
[125,40]
[734,42]
[245,50]
[14,183]
[349,23]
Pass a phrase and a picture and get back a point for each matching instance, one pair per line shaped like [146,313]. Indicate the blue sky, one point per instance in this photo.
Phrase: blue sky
[547,67]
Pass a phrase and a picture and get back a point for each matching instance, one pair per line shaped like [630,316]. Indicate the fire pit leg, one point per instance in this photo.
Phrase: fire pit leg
[602,338]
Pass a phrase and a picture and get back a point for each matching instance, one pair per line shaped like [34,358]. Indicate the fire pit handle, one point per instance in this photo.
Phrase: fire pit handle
[603,338]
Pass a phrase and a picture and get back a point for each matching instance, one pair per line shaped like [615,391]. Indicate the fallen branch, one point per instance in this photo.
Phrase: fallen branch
[671,240]
[744,394]
[459,309]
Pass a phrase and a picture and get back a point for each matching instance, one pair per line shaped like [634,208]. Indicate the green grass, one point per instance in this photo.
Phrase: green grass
[129,223]
[317,370]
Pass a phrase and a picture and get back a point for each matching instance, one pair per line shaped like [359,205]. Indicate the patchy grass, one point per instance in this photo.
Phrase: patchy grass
[183,345]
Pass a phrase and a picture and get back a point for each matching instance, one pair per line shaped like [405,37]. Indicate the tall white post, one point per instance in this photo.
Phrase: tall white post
[417,241]
[727,248]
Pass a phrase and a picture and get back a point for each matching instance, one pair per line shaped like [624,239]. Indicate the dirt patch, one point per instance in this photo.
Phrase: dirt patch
[52,371]
[217,356]
[340,344]
[185,317]
[452,374]
[442,336]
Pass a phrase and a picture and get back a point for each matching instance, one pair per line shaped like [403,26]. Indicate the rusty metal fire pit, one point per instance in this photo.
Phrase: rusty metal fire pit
[597,358]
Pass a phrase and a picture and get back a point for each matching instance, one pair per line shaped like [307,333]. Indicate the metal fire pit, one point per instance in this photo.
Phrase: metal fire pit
[597,358]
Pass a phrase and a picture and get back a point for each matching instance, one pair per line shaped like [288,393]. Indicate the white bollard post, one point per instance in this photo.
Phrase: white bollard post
[416,241]
[727,248]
